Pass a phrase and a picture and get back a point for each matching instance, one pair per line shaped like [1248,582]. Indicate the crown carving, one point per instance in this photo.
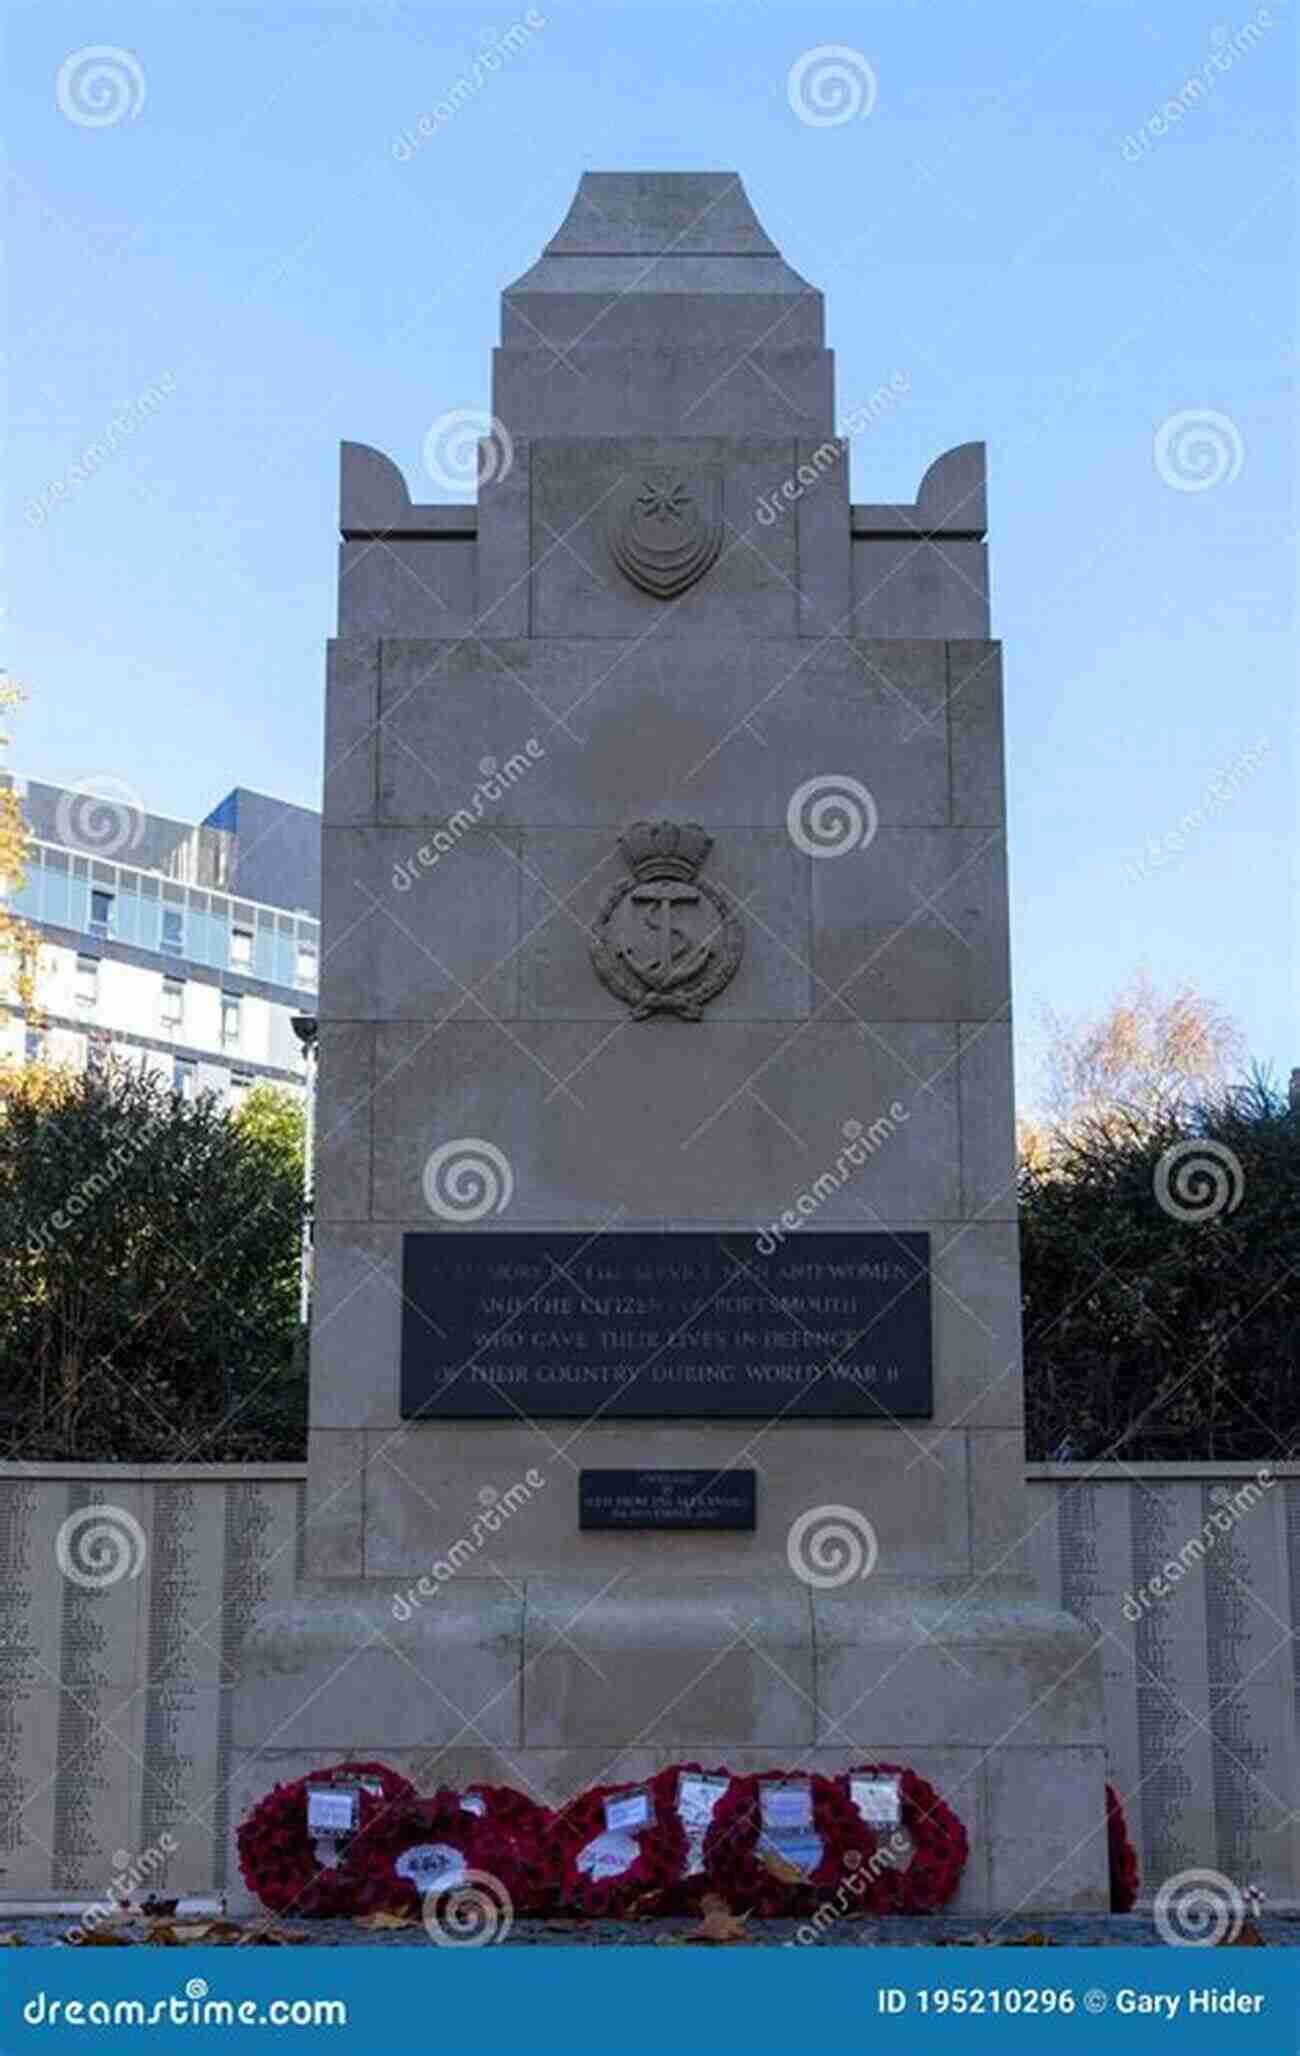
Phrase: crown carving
[665,849]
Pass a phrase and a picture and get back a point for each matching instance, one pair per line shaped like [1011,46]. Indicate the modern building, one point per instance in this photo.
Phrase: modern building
[185,947]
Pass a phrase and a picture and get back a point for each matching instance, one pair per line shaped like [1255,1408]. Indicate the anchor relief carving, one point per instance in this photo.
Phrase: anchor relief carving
[665,941]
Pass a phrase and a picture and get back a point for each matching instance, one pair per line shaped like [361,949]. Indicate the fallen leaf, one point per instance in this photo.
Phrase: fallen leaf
[777,1866]
[719,1925]
[168,1934]
[1249,1937]
[100,1938]
[12,1941]
[385,1920]
[272,1937]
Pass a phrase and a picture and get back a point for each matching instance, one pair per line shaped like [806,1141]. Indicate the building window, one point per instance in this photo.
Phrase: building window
[240,1084]
[86,990]
[98,1050]
[241,949]
[101,912]
[173,931]
[33,1045]
[306,971]
[184,1076]
[230,1018]
[173,1002]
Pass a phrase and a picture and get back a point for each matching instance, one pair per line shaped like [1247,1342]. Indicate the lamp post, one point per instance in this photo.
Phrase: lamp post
[305,1027]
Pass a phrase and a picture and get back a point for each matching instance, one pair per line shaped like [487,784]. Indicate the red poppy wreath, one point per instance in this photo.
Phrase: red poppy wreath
[614,1845]
[316,1871]
[779,1842]
[1123,1856]
[922,1853]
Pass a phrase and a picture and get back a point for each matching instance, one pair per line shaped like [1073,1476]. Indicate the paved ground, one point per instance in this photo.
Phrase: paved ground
[1135,1930]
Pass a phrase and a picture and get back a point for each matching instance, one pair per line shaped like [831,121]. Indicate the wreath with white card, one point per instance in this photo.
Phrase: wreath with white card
[922,1845]
[780,1842]
[615,1845]
[302,1849]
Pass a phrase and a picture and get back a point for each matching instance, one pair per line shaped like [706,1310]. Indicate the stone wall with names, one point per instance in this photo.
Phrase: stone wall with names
[115,1695]
[1191,1577]
[125,1593]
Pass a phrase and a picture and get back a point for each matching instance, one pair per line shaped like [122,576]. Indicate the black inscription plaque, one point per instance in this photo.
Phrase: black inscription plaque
[655,1325]
[666,1499]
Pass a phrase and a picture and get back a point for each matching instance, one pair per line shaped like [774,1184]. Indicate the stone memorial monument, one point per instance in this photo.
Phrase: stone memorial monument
[666,1397]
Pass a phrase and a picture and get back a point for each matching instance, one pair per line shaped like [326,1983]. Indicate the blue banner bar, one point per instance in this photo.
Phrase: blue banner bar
[650,2001]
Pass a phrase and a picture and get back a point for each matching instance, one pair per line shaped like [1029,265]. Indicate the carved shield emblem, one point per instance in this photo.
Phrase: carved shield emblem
[665,529]
[665,941]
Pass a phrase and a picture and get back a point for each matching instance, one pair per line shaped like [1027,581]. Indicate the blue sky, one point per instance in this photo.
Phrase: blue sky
[1055,264]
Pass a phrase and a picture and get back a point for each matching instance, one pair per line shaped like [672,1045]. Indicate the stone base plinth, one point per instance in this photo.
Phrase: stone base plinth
[552,1685]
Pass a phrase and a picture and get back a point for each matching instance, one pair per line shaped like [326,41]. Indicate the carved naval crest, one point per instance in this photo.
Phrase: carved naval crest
[665,529]
[664,941]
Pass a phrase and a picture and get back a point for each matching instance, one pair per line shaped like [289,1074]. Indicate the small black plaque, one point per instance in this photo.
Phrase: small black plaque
[660,1325]
[666,1499]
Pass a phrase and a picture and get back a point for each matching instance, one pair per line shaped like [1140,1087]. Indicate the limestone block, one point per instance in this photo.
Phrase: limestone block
[825,546]
[711,730]
[1001,1513]
[914,926]
[660,1662]
[980,1662]
[566,876]
[344,1116]
[356,1327]
[648,390]
[915,586]
[425,1481]
[420,921]
[332,1538]
[840,708]
[407,585]
[351,729]
[975,1285]
[674,1127]
[975,721]
[578,589]
[988,1143]
[504,572]
[1048,1818]
[333,1669]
